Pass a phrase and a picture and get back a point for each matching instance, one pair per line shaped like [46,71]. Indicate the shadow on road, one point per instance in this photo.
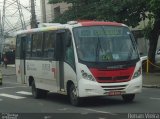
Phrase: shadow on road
[90,101]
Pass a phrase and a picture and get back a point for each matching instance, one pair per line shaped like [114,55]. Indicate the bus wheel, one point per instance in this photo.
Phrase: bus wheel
[128,97]
[74,99]
[35,91]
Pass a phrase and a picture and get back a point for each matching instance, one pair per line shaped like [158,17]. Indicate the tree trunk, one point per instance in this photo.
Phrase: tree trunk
[153,39]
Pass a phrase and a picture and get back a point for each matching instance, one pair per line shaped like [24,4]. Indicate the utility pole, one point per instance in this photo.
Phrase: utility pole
[43,10]
[9,24]
[12,19]
[0,26]
[1,39]
[33,15]
[21,15]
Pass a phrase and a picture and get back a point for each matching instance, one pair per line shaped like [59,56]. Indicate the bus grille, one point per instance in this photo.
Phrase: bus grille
[112,76]
[112,79]
[114,88]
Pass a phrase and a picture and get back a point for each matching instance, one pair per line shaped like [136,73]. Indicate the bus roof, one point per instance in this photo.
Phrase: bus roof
[71,24]
[93,23]
[48,28]
[99,23]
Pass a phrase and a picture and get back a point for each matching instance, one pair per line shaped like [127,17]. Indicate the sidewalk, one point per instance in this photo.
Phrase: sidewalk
[9,71]
[151,80]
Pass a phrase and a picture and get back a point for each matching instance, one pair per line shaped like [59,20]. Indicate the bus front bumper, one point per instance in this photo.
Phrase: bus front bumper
[88,88]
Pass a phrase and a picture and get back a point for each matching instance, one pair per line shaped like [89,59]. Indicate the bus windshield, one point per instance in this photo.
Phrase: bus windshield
[105,44]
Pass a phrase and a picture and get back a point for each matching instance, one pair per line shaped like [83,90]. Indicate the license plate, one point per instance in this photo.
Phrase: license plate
[115,93]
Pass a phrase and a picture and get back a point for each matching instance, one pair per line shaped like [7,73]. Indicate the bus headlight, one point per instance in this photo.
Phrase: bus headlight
[87,76]
[137,73]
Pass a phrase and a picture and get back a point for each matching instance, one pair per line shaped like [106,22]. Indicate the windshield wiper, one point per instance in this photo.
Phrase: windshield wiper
[98,47]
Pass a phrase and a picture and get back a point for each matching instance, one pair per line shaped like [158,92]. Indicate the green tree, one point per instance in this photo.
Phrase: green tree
[154,32]
[129,12]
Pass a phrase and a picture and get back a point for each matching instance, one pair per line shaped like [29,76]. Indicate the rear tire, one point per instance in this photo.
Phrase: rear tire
[128,97]
[73,96]
[38,93]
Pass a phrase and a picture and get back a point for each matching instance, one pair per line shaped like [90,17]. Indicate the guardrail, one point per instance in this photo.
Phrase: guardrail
[148,63]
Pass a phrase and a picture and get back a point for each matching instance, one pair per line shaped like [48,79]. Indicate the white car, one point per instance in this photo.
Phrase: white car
[157,57]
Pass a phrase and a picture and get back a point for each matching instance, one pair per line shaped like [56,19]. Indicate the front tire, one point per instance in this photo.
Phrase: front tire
[73,96]
[128,97]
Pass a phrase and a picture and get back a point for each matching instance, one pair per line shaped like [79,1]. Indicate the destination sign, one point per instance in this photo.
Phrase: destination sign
[101,32]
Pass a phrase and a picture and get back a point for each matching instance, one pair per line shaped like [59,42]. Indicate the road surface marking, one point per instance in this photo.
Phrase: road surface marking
[98,111]
[154,98]
[11,96]
[63,109]
[12,83]
[11,87]
[24,92]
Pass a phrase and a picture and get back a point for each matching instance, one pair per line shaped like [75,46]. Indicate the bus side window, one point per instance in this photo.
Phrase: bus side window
[49,42]
[37,45]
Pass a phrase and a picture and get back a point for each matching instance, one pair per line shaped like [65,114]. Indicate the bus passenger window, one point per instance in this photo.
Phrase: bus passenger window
[37,45]
[49,39]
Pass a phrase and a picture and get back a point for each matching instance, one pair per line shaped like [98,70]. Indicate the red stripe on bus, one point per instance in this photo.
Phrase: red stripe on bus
[118,75]
[95,23]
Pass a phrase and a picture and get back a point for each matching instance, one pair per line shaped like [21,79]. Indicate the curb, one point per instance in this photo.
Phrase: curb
[151,86]
[11,65]
[8,74]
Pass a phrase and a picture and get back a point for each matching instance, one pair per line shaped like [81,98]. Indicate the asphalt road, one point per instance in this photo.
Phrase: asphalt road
[16,98]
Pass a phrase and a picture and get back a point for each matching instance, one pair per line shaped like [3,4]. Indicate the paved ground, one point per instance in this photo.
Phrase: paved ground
[149,79]
[8,71]
[15,98]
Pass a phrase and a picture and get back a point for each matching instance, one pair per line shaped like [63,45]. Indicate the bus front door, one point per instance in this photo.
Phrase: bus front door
[65,59]
[59,54]
[22,60]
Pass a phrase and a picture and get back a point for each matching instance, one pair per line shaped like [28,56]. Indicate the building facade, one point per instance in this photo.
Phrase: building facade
[51,11]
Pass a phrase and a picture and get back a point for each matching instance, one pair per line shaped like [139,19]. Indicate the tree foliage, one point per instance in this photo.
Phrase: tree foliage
[129,12]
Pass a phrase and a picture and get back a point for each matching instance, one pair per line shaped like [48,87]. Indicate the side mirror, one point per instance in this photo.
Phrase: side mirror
[144,58]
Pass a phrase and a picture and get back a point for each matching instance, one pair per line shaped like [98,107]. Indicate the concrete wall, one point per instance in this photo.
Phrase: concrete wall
[143,45]
[48,10]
